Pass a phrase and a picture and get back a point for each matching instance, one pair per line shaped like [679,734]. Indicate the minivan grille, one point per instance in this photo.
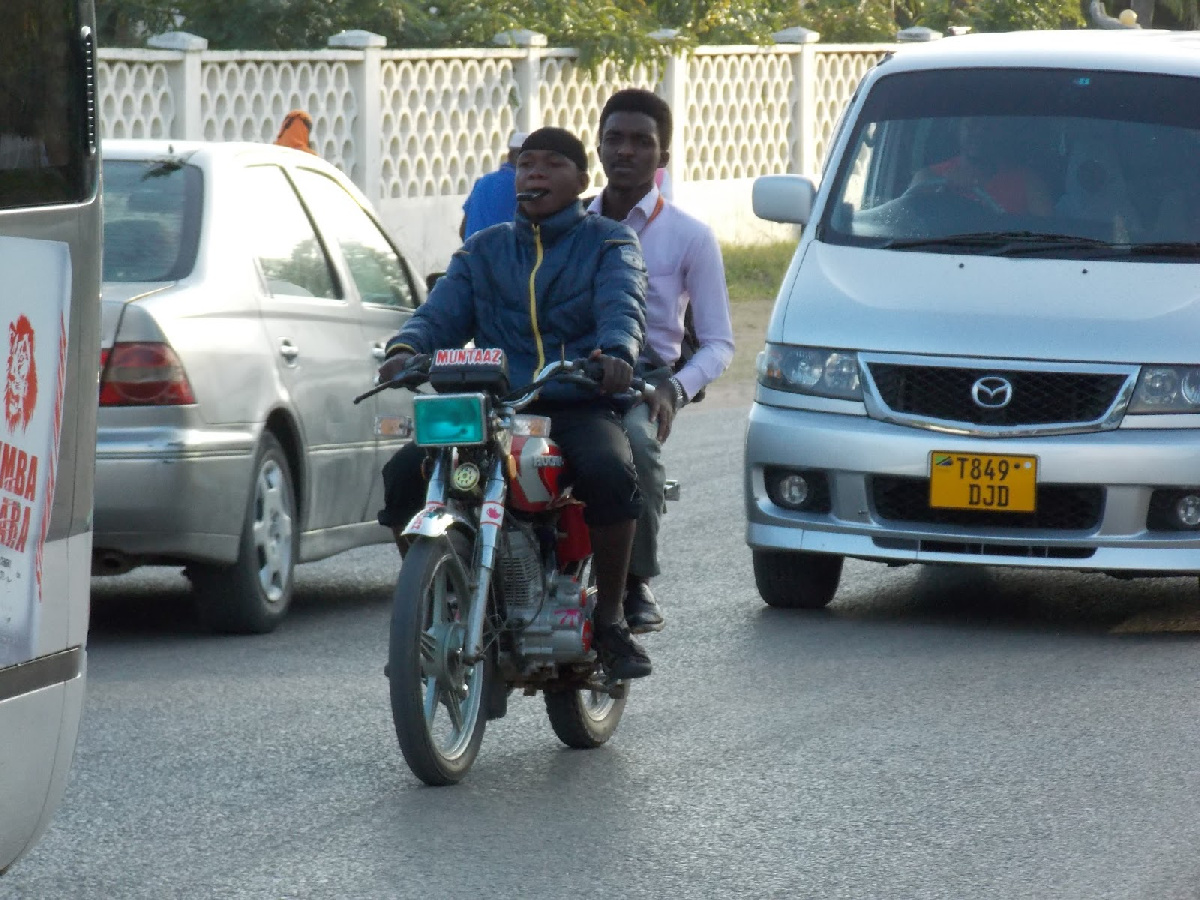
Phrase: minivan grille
[1059,507]
[1038,398]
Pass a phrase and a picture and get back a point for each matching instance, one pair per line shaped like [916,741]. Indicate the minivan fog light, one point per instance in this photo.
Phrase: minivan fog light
[803,490]
[1174,509]
[793,490]
[1187,510]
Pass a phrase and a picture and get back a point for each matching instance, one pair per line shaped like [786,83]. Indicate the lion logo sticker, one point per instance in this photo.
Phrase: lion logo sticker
[20,388]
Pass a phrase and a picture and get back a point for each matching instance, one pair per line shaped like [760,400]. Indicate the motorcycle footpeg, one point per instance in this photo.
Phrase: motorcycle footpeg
[618,690]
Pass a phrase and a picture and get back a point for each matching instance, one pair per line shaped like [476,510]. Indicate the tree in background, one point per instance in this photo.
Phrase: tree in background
[601,29]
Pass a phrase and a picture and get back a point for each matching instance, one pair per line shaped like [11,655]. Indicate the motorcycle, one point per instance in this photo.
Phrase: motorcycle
[495,590]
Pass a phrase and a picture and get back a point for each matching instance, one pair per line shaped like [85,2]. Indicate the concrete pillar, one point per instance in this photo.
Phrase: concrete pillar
[184,79]
[804,98]
[674,91]
[528,75]
[366,82]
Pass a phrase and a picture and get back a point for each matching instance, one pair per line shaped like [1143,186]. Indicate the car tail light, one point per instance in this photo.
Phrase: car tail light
[143,374]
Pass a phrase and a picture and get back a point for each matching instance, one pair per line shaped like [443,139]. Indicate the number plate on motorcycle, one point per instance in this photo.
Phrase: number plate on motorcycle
[982,481]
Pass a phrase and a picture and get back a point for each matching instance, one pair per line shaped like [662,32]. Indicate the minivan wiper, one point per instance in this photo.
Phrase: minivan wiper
[1000,243]
[1189,249]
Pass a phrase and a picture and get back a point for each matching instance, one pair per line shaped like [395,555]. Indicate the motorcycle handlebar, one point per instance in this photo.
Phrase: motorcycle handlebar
[584,372]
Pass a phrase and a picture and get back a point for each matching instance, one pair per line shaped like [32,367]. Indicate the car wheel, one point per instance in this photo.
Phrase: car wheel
[252,596]
[796,579]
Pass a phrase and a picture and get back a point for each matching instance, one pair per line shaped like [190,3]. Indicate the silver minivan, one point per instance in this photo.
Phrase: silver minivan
[985,350]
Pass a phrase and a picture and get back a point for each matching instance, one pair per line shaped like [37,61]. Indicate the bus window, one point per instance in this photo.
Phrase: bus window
[50,236]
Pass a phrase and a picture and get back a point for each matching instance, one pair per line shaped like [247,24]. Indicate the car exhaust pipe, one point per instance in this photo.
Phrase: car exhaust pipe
[111,562]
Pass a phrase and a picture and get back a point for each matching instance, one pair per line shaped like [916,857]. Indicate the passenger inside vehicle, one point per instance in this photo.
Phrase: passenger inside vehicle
[1095,191]
[986,169]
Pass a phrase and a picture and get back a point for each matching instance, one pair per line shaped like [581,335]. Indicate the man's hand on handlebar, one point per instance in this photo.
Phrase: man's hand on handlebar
[394,365]
[618,374]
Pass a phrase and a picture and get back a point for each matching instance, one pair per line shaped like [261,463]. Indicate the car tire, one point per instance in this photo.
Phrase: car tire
[253,595]
[796,579]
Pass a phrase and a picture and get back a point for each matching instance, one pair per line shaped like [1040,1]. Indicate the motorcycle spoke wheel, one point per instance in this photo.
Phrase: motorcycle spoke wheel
[436,698]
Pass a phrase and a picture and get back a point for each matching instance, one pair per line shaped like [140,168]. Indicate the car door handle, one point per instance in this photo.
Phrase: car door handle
[288,350]
[378,351]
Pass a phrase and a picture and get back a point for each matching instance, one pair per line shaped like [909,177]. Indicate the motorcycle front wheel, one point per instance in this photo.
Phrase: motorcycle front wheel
[436,698]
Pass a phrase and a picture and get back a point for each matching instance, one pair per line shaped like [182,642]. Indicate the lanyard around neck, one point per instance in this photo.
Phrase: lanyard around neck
[658,207]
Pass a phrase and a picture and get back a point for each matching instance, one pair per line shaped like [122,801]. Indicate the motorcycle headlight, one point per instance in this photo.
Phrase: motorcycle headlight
[810,370]
[1167,389]
[443,420]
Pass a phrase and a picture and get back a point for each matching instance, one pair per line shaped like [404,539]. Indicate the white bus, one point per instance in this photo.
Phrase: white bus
[50,234]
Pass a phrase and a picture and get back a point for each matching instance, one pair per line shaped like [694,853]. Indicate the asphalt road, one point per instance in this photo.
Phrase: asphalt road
[937,733]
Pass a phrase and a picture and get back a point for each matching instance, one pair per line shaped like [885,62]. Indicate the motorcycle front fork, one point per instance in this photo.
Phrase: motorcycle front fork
[491,518]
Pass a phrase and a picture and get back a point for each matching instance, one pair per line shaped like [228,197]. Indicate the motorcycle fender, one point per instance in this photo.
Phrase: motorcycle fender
[434,521]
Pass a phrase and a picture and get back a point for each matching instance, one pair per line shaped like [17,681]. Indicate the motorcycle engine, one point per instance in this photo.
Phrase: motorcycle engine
[550,620]
[519,566]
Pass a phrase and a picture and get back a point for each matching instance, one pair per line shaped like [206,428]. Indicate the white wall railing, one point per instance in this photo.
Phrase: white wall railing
[415,128]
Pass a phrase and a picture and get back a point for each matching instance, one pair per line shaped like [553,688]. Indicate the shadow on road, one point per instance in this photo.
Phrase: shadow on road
[158,602]
[1014,600]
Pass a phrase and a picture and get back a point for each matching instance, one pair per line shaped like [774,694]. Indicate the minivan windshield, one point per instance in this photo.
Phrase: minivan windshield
[151,219]
[1049,162]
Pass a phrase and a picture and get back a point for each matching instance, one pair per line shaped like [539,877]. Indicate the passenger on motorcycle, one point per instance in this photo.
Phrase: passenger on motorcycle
[554,283]
[686,275]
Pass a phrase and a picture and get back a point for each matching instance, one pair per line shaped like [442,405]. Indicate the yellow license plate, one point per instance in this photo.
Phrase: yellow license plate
[982,481]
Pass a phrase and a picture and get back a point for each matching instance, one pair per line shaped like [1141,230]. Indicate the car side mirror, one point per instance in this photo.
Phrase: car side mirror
[784,198]
[431,279]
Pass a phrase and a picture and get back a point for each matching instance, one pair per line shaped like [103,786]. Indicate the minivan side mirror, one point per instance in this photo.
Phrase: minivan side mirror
[784,198]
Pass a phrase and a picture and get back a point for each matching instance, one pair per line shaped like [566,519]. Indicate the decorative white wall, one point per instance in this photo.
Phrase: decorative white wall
[415,128]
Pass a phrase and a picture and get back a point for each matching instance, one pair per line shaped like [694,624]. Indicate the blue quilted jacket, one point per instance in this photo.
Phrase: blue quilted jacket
[554,290]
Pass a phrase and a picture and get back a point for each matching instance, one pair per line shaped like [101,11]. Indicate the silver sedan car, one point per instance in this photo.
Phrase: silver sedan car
[248,293]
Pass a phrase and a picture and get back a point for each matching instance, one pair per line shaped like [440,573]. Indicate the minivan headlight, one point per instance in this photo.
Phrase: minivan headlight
[1167,389]
[810,370]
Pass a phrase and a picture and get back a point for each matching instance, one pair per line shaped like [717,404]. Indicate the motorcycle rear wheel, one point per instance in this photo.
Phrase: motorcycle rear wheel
[437,701]
[583,719]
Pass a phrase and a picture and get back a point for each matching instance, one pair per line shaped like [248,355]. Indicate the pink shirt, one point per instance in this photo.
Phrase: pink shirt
[684,263]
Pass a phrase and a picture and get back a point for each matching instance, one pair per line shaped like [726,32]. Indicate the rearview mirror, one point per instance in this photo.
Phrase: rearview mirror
[784,198]
[432,278]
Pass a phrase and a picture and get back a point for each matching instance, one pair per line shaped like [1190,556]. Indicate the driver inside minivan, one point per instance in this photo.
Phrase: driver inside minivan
[984,171]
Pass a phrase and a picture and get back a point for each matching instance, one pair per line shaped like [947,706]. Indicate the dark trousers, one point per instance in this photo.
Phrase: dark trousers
[593,443]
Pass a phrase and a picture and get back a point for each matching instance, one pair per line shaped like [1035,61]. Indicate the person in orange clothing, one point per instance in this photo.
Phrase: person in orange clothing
[980,172]
[296,131]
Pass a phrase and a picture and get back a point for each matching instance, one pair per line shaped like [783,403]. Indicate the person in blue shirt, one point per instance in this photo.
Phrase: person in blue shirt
[493,199]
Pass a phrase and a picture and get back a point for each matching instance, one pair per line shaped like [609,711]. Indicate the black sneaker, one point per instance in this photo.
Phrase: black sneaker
[621,656]
[642,614]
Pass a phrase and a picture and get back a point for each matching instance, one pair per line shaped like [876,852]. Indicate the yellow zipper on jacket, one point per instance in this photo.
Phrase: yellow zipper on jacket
[537,335]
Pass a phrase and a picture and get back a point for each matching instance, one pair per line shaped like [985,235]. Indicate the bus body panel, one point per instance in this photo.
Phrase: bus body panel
[49,195]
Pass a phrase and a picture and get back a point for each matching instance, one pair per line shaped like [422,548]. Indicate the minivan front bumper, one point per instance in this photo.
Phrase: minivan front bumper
[1122,467]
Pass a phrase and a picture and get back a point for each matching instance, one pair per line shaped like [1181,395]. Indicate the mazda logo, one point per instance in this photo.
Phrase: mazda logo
[992,392]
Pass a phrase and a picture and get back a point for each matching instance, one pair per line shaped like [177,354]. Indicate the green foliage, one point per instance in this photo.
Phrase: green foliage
[879,20]
[617,30]
[754,271]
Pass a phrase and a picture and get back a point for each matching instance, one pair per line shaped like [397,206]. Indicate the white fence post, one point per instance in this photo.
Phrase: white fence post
[527,74]
[184,80]
[366,79]
[804,97]
[674,91]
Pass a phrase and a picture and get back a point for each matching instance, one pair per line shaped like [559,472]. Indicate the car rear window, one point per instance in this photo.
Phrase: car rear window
[151,219]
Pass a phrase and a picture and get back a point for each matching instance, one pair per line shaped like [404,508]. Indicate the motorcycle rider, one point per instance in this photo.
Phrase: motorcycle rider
[553,283]
[685,269]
